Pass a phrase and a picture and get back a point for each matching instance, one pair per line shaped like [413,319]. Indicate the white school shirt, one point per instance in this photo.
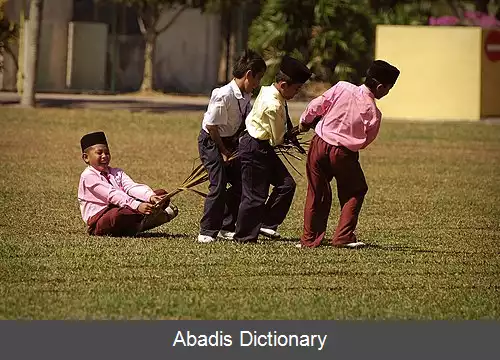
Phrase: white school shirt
[227,108]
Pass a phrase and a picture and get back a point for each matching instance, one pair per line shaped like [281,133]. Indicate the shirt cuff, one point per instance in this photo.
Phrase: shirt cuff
[148,195]
[304,119]
[135,204]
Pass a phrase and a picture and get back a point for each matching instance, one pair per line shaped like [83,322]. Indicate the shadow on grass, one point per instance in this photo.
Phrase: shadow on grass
[163,235]
[282,239]
[368,246]
[133,105]
[405,248]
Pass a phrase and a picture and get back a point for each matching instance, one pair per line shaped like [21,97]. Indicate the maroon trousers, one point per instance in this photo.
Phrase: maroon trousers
[325,162]
[117,221]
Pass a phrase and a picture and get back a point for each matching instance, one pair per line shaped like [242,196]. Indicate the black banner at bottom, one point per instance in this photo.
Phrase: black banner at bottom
[248,339]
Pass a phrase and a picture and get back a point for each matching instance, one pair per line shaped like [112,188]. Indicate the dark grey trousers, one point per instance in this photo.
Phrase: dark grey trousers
[222,202]
[261,168]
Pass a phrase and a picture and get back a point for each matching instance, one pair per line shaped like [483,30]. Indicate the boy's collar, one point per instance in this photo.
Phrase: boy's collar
[236,90]
[99,171]
[277,92]
[367,90]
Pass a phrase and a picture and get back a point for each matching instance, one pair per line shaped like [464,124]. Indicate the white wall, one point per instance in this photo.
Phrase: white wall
[53,44]
[187,54]
[186,59]
[87,44]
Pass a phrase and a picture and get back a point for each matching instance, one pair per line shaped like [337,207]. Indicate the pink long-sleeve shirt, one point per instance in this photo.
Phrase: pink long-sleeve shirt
[350,117]
[95,192]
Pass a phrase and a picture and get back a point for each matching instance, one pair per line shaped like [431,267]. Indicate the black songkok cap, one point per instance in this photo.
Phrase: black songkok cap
[293,68]
[93,139]
[383,72]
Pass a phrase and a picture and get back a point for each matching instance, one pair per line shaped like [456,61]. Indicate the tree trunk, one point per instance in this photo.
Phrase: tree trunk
[147,79]
[148,20]
[20,51]
[30,71]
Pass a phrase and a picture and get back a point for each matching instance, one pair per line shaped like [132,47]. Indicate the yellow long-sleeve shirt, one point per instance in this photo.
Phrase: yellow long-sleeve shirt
[267,119]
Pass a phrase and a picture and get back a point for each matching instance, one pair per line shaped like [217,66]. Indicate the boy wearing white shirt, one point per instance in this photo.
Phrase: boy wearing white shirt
[222,124]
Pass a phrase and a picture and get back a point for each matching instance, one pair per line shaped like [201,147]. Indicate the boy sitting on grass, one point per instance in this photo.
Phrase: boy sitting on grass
[111,203]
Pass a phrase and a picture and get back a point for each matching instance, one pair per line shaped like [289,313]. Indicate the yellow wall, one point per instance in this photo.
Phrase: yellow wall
[440,72]
[490,89]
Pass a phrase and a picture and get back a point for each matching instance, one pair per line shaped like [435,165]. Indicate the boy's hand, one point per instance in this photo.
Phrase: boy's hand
[226,155]
[145,208]
[154,199]
[303,127]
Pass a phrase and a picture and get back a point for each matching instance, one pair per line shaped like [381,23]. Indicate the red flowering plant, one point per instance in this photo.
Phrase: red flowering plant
[469,18]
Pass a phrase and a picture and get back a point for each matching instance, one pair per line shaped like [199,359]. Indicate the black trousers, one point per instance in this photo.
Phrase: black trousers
[221,204]
[261,168]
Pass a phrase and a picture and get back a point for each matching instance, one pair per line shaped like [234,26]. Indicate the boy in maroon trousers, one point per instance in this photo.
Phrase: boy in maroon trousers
[349,121]
[111,203]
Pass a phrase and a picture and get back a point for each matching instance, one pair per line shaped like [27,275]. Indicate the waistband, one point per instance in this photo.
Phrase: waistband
[343,148]
[205,133]
[263,142]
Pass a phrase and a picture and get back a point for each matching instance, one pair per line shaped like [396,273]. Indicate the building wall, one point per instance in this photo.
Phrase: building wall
[53,44]
[87,44]
[59,11]
[188,53]
[52,55]
[129,65]
[440,72]
[186,59]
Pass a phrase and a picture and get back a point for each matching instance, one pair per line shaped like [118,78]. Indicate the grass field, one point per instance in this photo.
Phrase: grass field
[431,216]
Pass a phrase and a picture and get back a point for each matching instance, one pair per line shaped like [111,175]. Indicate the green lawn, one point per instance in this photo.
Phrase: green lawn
[431,216]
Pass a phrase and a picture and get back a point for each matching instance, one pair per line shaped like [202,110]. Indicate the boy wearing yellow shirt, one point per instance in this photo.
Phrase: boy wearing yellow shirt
[266,126]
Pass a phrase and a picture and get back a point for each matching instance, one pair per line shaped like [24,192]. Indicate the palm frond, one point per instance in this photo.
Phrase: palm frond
[284,155]
[199,174]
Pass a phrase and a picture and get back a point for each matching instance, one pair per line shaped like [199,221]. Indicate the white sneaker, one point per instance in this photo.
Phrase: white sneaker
[225,235]
[171,211]
[205,239]
[273,234]
[354,245]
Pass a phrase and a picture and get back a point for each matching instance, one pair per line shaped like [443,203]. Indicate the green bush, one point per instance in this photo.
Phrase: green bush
[8,33]
[335,38]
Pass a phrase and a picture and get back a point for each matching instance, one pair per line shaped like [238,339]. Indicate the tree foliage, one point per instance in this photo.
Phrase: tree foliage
[283,27]
[8,34]
[334,37]
[404,13]
[341,40]
[337,37]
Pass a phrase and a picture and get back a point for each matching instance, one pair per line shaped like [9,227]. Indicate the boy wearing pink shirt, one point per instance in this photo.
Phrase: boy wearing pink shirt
[111,203]
[349,121]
